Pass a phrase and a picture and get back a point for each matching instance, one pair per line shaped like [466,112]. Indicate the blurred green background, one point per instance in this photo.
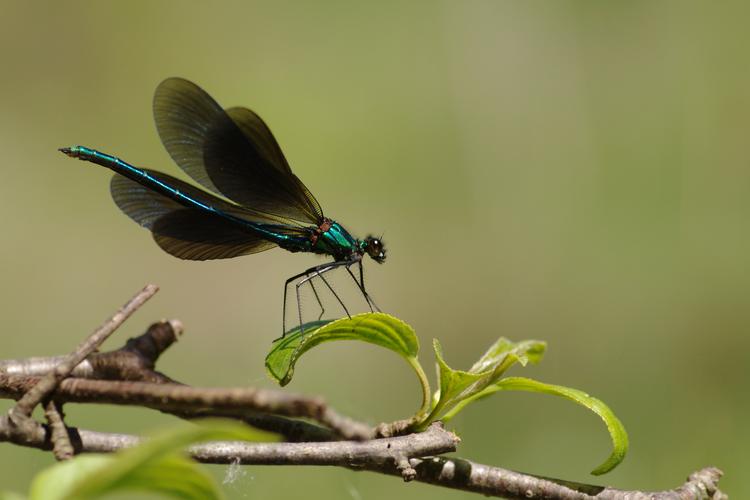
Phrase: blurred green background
[577,172]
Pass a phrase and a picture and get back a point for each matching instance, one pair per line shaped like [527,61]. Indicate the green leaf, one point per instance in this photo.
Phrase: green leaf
[458,387]
[380,329]
[616,430]
[285,351]
[503,354]
[452,382]
[152,466]
[173,476]
[375,328]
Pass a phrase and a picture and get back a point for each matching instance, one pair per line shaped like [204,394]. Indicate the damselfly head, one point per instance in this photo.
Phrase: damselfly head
[374,248]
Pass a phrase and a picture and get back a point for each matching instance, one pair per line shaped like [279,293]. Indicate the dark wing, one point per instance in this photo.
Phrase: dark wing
[194,235]
[231,153]
[187,233]
[256,130]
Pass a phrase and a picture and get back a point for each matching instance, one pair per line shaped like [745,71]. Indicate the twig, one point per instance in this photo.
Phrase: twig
[62,448]
[454,473]
[127,376]
[470,476]
[136,360]
[355,454]
[193,401]
[18,419]
[293,430]
[47,384]
[386,452]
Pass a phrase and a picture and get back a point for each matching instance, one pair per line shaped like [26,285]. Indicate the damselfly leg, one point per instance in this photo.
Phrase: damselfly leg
[361,285]
[310,274]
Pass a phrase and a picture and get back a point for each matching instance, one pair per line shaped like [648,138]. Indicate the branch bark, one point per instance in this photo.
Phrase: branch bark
[375,456]
[18,420]
[462,474]
[192,401]
[48,382]
[62,448]
[127,376]
[136,360]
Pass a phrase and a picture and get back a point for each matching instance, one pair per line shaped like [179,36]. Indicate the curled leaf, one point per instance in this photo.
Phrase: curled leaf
[375,328]
[380,329]
[616,430]
[285,351]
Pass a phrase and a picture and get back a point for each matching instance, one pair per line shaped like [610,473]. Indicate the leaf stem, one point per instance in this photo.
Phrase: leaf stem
[424,423]
[425,383]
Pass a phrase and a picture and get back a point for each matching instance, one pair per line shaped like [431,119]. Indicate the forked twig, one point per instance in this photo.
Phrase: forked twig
[127,376]
[47,384]
[19,419]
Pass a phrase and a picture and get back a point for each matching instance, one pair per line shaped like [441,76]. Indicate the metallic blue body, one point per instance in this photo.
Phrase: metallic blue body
[330,238]
[336,241]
